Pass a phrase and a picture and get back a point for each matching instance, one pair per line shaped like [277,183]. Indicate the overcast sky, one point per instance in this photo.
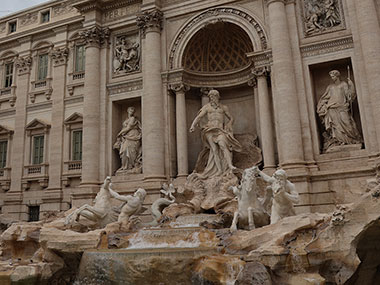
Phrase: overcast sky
[12,6]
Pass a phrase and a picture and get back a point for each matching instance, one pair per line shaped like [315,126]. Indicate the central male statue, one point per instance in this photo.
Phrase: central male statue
[217,136]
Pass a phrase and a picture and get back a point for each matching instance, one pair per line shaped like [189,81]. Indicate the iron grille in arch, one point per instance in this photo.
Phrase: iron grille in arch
[217,47]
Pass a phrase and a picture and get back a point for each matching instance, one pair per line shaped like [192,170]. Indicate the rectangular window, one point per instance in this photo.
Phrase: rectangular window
[77,145]
[8,75]
[38,150]
[12,27]
[34,213]
[79,58]
[43,60]
[45,17]
[3,153]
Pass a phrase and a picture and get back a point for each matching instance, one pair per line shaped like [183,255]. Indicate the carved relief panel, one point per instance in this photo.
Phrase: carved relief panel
[126,54]
[322,16]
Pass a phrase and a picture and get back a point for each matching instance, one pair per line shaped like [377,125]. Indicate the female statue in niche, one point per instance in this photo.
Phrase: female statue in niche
[334,110]
[128,143]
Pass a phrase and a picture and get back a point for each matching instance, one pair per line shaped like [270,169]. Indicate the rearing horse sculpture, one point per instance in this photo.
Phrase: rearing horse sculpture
[251,210]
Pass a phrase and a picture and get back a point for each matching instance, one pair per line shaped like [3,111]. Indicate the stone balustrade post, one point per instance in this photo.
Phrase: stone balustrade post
[181,129]
[153,123]
[288,121]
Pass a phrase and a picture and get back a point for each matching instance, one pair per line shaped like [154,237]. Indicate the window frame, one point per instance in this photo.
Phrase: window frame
[3,153]
[41,150]
[10,25]
[76,58]
[30,207]
[8,76]
[42,16]
[46,71]
[72,152]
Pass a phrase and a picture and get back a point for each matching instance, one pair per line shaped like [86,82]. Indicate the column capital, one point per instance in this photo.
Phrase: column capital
[261,71]
[95,36]
[23,64]
[150,21]
[59,56]
[252,82]
[179,87]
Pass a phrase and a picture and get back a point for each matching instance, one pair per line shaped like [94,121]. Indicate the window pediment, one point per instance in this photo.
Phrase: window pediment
[37,125]
[5,131]
[73,119]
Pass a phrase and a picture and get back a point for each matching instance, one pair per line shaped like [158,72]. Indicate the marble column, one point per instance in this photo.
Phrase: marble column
[52,197]
[369,34]
[153,123]
[288,121]
[181,129]
[94,37]
[13,200]
[265,115]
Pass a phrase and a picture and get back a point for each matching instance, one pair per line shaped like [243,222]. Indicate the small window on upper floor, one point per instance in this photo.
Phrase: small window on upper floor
[76,145]
[43,61]
[80,58]
[12,26]
[45,16]
[3,153]
[38,149]
[8,74]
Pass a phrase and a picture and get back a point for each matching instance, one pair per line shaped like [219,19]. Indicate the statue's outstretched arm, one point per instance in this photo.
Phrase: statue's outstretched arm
[265,177]
[117,196]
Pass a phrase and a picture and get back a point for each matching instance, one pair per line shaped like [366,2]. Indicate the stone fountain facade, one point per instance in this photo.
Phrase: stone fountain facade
[191,94]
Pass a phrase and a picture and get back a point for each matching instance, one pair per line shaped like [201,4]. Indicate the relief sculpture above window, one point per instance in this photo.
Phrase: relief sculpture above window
[126,54]
[322,16]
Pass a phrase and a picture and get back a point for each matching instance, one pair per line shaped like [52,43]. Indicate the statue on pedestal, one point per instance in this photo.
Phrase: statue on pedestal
[334,110]
[128,143]
[217,137]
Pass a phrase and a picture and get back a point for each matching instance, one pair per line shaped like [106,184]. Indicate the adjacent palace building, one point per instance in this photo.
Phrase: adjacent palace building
[71,69]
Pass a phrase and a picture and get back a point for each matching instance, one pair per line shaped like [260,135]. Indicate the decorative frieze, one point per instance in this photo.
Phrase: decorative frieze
[63,8]
[95,36]
[59,56]
[121,12]
[126,54]
[322,16]
[125,87]
[327,47]
[150,20]
[3,27]
[28,19]
[23,64]
[261,71]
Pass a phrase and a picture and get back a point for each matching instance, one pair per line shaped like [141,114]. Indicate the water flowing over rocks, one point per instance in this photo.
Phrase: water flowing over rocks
[302,249]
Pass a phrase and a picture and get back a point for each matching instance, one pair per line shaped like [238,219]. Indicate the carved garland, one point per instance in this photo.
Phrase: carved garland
[213,13]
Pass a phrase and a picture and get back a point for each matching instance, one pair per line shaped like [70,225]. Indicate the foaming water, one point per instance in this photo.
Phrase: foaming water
[139,241]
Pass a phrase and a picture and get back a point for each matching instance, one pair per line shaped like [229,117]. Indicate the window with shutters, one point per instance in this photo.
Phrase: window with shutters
[45,16]
[79,59]
[3,153]
[38,149]
[43,61]
[8,75]
[77,145]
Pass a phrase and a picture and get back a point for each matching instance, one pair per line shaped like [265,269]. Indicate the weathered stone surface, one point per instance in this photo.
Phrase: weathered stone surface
[254,273]
[69,241]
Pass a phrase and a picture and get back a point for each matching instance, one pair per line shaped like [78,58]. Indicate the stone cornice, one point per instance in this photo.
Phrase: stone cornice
[327,46]
[150,20]
[95,36]
[88,5]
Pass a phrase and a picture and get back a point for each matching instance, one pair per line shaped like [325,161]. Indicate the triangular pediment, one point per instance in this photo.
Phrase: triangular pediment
[5,131]
[36,124]
[74,118]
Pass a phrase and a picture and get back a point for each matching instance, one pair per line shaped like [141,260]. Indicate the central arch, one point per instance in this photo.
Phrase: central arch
[241,18]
